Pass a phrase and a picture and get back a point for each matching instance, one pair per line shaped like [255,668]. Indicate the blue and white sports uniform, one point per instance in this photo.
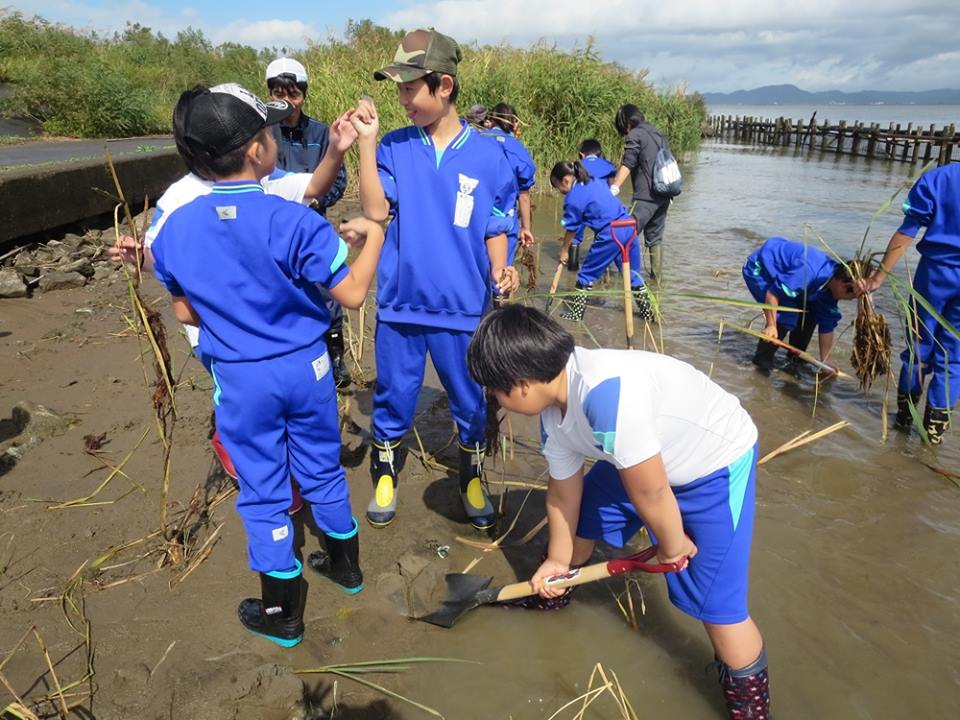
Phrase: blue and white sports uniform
[525,172]
[934,204]
[624,407]
[250,265]
[798,275]
[592,205]
[433,280]
[600,170]
[289,186]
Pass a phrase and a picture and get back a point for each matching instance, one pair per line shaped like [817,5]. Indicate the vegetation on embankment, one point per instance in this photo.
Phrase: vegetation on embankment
[127,84]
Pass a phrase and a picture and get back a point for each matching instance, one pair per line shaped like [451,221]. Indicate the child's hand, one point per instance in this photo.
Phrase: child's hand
[342,132]
[526,238]
[564,257]
[365,119]
[354,231]
[687,551]
[548,569]
[507,279]
[770,331]
[126,251]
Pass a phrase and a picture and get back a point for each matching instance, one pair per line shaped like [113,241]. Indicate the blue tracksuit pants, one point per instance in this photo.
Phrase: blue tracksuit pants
[277,417]
[401,352]
[936,351]
[604,251]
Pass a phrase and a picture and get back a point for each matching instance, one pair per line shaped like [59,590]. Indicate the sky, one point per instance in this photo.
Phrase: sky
[706,45]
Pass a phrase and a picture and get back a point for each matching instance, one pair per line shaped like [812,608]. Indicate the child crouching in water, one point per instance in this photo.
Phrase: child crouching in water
[675,453]
[246,267]
[591,204]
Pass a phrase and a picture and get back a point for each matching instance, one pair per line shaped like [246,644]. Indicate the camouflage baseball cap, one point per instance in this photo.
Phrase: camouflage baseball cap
[422,52]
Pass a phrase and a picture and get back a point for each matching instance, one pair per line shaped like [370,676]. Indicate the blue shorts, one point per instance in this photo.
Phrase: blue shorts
[717,512]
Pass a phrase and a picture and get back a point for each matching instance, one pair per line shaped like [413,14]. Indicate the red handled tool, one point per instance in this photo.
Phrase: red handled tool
[630,225]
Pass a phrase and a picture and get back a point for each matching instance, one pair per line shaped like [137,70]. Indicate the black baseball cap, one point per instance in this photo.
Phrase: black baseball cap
[225,117]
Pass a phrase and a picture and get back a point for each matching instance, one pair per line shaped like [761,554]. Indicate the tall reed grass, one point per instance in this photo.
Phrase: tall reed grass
[85,85]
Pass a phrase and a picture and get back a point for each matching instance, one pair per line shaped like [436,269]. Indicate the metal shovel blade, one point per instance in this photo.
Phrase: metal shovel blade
[464,593]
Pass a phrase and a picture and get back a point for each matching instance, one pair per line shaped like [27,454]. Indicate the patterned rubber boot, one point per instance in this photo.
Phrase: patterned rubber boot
[386,462]
[475,501]
[641,299]
[340,561]
[277,614]
[573,258]
[576,305]
[936,421]
[904,418]
[746,691]
[334,340]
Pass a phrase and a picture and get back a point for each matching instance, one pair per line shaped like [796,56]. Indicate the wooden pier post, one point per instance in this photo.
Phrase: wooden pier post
[946,144]
[841,131]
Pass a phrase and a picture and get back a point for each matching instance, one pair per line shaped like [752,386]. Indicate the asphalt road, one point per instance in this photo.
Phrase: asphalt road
[46,151]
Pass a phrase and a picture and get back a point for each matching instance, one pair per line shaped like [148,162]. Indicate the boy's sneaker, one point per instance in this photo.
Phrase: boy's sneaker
[223,456]
[386,462]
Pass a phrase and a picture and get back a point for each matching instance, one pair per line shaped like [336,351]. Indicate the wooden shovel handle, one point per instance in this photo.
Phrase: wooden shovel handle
[628,303]
[556,279]
[591,573]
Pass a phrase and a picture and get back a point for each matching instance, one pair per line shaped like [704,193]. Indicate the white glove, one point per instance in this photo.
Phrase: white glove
[615,189]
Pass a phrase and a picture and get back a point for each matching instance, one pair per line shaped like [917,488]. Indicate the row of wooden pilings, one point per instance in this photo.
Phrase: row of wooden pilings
[895,142]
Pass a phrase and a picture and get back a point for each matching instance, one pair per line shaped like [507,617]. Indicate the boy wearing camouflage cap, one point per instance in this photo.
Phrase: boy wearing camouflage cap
[450,194]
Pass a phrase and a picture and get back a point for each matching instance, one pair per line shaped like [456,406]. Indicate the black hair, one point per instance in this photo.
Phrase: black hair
[197,157]
[564,168]
[842,271]
[287,82]
[504,116]
[517,343]
[591,146]
[432,80]
[628,117]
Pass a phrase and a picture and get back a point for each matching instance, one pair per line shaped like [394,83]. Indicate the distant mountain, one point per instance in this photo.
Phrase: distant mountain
[792,95]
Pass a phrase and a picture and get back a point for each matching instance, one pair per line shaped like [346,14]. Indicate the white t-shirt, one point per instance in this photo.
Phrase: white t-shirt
[625,406]
[289,186]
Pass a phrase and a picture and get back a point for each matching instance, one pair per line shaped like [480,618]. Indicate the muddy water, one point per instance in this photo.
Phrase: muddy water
[855,582]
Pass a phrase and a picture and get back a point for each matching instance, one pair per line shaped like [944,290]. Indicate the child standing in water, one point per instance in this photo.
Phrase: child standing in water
[675,453]
[591,204]
[600,169]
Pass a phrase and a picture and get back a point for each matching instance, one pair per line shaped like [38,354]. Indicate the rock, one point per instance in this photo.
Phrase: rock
[24,258]
[89,251]
[81,265]
[103,270]
[11,284]
[74,241]
[61,280]
[27,271]
[34,421]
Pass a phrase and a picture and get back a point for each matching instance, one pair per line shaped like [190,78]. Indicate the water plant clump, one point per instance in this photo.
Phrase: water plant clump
[872,345]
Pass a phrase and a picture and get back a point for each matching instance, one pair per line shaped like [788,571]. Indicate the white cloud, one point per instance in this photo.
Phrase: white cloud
[265,33]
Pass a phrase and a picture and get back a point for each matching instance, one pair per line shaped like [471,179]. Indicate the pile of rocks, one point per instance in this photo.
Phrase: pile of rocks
[70,262]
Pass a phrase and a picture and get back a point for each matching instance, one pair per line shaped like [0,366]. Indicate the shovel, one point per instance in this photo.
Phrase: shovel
[631,226]
[466,592]
[553,287]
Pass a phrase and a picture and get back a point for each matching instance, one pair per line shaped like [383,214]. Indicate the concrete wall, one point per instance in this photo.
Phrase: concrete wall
[39,198]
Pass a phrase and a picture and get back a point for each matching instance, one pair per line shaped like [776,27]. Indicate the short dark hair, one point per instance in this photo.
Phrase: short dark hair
[591,146]
[432,80]
[287,82]
[198,158]
[564,168]
[628,117]
[517,343]
[504,116]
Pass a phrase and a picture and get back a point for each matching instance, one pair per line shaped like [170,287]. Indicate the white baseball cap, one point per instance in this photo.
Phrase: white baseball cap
[287,66]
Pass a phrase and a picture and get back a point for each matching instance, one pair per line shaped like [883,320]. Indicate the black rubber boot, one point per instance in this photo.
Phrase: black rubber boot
[936,421]
[386,462]
[334,339]
[475,501]
[747,690]
[904,418]
[573,258]
[576,305]
[766,351]
[644,307]
[277,614]
[340,561]
[656,263]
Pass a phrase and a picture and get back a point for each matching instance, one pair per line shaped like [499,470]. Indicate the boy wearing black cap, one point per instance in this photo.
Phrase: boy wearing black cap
[301,144]
[451,194]
[252,287]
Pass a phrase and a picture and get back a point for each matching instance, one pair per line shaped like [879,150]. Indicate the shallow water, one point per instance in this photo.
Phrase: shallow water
[855,584]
